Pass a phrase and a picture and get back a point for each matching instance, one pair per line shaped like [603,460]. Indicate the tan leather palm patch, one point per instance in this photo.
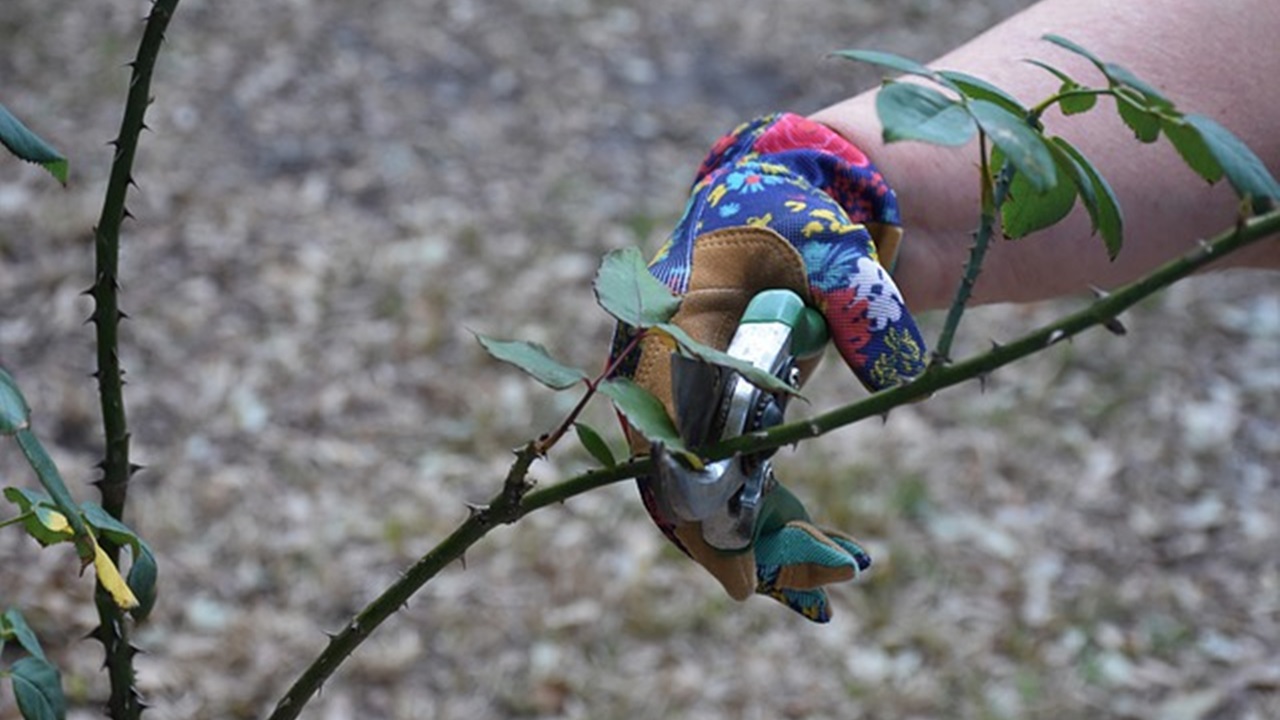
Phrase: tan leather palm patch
[730,267]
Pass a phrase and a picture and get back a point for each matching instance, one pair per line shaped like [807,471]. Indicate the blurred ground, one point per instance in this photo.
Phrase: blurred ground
[336,193]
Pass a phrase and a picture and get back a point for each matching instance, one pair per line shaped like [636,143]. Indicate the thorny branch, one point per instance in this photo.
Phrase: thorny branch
[112,630]
[516,500]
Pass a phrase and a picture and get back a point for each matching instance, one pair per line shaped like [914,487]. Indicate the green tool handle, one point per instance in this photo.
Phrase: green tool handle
[784,306]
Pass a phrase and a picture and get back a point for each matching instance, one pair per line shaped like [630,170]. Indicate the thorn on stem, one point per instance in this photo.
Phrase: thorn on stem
[1115,327]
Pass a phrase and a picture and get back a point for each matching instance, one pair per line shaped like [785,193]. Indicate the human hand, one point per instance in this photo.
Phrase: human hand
[783,202]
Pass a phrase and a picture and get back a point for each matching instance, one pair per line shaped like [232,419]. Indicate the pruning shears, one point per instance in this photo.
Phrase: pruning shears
[714,403]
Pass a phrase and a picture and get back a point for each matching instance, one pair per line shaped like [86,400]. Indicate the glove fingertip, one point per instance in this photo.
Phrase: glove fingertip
[859,554]
[812,604]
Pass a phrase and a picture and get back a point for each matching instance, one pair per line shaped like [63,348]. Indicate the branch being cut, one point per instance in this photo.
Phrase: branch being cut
[509,506]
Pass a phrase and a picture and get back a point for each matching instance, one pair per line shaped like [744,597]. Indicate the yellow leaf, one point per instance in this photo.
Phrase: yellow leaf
[110,578]
[55,521]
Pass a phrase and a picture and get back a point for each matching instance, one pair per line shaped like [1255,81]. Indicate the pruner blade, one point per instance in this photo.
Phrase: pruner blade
[721,495]
[714,403]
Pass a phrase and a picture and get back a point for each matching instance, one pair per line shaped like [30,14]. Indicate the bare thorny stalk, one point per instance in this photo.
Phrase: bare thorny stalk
[125,702]
[992,199]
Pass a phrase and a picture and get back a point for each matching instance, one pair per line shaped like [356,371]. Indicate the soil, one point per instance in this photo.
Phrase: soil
[334,196]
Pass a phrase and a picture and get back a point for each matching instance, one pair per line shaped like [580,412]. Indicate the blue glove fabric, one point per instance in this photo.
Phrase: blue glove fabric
[814,188]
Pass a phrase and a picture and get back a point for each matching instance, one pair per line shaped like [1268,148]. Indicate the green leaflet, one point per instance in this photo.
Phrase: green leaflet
[43,522]
[1246,173]
[37,684]
[627,291]
[14,412]
[1066,79]
[1120,77]
[915,112]
[30,147]
[1107,218]
[1076,104]
[1073,47]
[1071,104]
[13,624]
[1026,211]
[644,412]
[979,89]
[1117,76]
[142,577]
[60,496]
[1020,143]
[595,444]
[1144,123]
[1075,172]
[897,63]
[534,360]
[1187,140]
[706,353]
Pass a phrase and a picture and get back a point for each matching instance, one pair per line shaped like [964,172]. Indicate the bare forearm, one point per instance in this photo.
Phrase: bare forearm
[1213,58]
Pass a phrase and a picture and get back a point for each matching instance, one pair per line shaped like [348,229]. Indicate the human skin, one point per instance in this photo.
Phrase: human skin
[1215,59]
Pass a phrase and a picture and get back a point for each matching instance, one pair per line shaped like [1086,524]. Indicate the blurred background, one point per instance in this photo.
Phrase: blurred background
[334,195]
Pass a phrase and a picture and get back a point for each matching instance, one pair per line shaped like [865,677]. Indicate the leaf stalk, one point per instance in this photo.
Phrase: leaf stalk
[992,199]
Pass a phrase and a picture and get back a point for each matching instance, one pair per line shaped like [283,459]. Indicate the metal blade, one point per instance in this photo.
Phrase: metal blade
[698,389]
[732,526]
[693,495]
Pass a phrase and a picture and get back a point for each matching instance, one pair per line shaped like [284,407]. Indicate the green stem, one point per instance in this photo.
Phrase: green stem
[547,442]
[1040,109]
[513,502]
[992,199]
[15,520]
[116,466]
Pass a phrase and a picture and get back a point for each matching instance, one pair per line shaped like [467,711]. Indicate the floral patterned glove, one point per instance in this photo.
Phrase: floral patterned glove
[817,190]
[783,201]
